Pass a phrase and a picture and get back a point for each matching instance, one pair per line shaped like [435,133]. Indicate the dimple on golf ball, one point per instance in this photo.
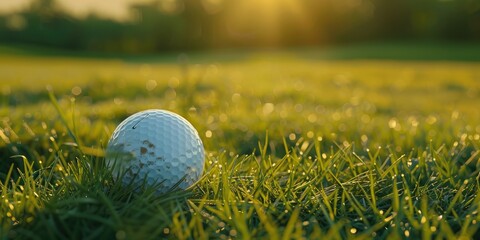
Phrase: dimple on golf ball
[156,147]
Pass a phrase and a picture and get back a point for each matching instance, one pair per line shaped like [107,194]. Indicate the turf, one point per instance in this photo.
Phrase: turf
[297,147]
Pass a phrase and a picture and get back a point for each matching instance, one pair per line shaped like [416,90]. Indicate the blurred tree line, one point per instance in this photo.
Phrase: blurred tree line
[163,25]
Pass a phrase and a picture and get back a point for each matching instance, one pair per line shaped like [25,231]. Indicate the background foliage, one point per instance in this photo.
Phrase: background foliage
[201,24]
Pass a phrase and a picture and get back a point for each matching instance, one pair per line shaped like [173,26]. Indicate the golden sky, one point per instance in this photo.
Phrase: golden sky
[117,9]
[9,5]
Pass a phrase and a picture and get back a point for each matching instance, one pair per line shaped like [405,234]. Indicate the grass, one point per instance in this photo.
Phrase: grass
[297,147]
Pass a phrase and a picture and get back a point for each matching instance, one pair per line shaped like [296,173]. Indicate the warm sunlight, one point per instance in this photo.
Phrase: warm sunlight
[9,6]
[259,19]
[239,119]
[115,9]
[266,20]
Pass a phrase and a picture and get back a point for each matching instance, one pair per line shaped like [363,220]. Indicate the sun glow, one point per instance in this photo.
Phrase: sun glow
[266,20]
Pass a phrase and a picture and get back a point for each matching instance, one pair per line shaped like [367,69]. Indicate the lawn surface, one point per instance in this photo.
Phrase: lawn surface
[299,145]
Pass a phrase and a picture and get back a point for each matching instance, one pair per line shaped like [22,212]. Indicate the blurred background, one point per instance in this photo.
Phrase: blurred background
[154,26]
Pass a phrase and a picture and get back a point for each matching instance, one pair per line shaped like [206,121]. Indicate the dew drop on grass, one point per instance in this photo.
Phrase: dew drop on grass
[268,108]
[365,118]
[431,120]
[208,134]
[150,85]
[117,101]
[292,136]
[223,117]
[310,134]
[76,90]
[304,146]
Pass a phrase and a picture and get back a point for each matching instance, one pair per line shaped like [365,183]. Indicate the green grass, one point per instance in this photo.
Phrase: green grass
[297,147]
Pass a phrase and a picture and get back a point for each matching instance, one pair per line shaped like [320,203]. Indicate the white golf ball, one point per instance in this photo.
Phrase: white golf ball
[157,147]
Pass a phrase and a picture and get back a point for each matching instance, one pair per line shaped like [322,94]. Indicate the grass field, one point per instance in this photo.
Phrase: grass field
[297,146]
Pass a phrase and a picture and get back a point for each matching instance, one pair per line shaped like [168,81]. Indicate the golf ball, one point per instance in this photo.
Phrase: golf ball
[156,147]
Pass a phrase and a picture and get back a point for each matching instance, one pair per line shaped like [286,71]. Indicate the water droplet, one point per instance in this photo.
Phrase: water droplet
[208,134]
